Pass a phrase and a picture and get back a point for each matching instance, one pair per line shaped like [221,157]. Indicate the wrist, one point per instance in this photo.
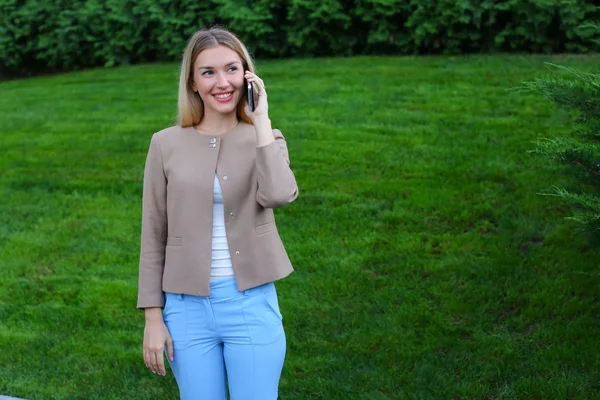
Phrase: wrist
[262,121]
[264,132]
[153,314]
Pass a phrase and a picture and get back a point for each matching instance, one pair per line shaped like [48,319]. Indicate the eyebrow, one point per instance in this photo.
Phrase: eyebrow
[226,65]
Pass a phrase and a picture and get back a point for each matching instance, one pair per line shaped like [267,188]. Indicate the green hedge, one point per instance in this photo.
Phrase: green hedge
[580,92]
[42,36]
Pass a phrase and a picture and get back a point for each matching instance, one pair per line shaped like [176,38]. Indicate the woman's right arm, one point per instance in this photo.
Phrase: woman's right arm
[154,229]
[152,260]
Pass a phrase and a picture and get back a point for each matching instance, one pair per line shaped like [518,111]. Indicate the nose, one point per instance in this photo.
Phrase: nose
[221,80]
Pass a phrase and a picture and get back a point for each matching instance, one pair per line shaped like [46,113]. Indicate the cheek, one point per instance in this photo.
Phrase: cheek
[202,88]
[200,82]
[238,81]
[200,85]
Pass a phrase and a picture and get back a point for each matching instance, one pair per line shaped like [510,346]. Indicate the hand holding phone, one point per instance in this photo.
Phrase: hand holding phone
[251,103]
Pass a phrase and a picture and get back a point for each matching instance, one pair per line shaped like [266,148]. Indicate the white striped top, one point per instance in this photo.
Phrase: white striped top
[221,266]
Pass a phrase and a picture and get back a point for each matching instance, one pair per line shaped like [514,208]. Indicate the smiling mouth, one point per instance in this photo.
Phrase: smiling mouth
[223,96]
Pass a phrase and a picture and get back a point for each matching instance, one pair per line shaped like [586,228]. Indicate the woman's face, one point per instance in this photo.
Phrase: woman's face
[219,79]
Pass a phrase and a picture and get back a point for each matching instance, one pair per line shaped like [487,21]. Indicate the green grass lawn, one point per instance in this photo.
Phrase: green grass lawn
[427,264]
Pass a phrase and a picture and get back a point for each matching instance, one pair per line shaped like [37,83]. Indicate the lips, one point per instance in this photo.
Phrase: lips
[223,97]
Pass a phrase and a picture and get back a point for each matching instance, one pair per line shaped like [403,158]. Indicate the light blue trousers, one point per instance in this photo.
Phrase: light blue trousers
[229,334]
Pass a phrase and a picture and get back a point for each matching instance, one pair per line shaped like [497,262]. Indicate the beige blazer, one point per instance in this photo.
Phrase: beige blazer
[176,240]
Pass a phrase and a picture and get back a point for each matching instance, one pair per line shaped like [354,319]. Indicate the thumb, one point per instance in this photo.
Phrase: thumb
[170,348]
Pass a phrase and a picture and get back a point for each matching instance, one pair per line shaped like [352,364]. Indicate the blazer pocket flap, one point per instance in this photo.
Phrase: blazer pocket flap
[174,241]
[264,228]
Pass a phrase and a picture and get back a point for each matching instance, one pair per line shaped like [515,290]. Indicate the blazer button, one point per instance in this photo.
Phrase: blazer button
[231,214]
[237,253]
[224,177]
[213,140]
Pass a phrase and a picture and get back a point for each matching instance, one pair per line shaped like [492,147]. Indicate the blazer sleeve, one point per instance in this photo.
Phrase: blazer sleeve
[154,229]
[276,182]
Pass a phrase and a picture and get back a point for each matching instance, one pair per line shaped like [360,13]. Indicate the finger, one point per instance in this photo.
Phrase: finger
[259,89]
[145,353]
[252,77]
[262,90]
[156,362]
[160,363]
[152,361]
[260,83]
[170,349]
[148,360]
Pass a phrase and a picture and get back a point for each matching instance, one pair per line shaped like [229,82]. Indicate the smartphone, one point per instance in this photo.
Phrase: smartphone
[251,104]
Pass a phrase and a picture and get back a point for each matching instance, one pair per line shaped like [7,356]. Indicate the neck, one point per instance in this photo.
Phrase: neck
[217,124]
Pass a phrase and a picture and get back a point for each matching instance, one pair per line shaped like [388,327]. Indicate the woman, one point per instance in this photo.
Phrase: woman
[210,250]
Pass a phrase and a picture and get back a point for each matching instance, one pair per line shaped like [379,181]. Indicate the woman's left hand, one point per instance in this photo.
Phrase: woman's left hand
[260,97]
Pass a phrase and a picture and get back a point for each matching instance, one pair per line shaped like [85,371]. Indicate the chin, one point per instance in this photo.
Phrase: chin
[226,110]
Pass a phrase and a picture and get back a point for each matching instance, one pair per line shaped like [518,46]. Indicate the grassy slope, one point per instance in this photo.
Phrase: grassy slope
[428,267]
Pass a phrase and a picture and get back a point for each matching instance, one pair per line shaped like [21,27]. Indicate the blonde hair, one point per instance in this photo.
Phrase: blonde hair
[189,104]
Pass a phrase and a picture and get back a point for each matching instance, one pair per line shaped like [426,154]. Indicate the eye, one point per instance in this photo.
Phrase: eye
[232,69]
[207,73]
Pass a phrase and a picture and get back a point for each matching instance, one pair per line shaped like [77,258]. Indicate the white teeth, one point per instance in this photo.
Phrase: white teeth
[223,96]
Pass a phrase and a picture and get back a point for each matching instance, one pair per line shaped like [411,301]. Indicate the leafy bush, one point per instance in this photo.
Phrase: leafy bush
[40,37]
[581,149]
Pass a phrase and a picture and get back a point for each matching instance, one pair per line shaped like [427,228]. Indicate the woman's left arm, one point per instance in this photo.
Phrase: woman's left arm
[276,182]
